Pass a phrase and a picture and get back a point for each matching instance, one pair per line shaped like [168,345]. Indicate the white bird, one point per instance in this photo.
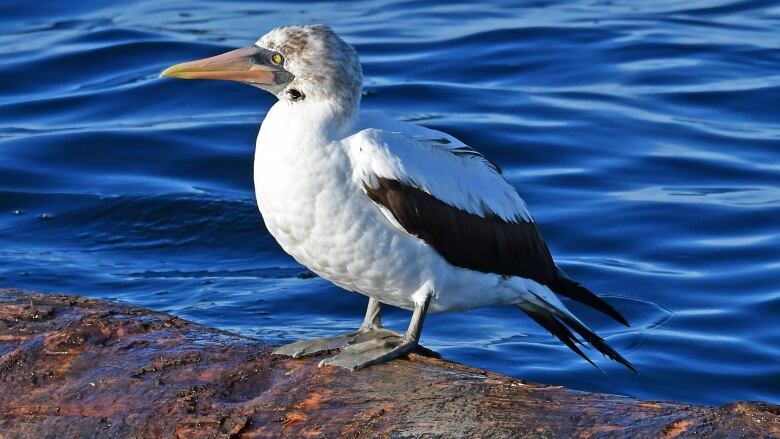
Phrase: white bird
[406,215]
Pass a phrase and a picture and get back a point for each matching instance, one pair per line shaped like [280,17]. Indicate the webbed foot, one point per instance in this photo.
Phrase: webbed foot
[326,344]
[369,352]
[371,344]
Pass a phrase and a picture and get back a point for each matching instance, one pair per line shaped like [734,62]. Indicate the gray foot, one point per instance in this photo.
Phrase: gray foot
[371,344]
[322,345]
[374,351]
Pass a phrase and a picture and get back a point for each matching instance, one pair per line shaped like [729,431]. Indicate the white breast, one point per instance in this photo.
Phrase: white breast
[311,205]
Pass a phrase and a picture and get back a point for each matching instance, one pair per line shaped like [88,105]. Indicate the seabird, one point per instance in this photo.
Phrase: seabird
[406,215]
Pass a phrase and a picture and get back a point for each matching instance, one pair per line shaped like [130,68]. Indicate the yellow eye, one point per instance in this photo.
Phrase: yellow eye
[277,58]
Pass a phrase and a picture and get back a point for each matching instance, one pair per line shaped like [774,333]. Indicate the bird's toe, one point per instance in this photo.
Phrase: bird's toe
[370,352]
[323,345]
[315,346]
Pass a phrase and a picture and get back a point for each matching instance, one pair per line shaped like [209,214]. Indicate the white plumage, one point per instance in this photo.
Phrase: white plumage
[309,186]
[404,214]
[410,153]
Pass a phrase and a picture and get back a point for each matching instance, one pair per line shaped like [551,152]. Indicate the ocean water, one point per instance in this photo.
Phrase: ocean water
[645,137]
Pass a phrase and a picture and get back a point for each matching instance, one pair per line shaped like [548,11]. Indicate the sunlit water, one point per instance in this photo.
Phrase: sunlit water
[645,137]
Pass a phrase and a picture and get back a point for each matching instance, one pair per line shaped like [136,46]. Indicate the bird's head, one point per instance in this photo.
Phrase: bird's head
[294,63]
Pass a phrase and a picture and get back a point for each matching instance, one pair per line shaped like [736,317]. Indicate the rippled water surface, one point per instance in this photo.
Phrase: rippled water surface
[645,136]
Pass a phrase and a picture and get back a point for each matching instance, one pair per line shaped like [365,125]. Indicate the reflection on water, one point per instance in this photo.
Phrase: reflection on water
[735,197]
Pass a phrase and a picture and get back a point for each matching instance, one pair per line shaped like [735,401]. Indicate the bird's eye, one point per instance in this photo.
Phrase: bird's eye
[277,58]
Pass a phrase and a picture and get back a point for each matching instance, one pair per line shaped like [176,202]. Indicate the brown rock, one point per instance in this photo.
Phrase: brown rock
[74,367]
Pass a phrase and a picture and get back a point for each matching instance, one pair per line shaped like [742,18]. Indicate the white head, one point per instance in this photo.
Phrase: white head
[297,64]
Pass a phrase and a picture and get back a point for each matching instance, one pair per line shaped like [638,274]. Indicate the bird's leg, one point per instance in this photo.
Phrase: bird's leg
[382,349]
[371,328]
[373,318]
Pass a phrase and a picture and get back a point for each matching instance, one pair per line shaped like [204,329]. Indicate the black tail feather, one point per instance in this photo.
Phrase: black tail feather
[557,324]
[597,342]
[558,329]
[573,290]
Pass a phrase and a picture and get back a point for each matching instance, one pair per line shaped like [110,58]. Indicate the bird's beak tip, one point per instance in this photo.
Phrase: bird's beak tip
[170,72]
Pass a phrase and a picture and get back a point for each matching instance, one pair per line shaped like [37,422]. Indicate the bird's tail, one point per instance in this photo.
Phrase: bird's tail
[566,287]
[551,314]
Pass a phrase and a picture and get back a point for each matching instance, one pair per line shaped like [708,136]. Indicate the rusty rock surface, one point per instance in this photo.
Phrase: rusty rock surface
[76,367]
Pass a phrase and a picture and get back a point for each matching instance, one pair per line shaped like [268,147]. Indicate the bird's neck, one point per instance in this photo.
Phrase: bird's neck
[325,119]
[298,152]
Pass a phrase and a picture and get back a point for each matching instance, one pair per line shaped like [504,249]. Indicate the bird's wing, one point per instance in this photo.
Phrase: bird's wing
[428,136]
[453,200]
[461,206]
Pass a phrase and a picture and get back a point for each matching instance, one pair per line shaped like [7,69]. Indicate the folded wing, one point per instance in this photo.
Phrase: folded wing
[452,198]
[458,203]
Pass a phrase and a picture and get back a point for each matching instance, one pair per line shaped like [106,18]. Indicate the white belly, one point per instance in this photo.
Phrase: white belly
[318,214]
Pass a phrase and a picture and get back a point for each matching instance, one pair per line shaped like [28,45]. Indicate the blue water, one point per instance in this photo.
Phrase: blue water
[645,136]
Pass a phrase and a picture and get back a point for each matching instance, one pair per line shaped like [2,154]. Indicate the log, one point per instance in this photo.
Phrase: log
[75,367]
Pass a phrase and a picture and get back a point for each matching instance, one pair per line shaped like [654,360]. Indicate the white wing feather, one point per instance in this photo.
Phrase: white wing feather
[431,137]
[463,180]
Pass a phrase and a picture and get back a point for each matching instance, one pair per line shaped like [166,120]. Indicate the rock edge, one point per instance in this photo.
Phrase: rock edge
[77,367]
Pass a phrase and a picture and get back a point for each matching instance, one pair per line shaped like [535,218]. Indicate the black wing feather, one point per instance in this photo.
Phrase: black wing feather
[487,244]
[573,290]
[492,245]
